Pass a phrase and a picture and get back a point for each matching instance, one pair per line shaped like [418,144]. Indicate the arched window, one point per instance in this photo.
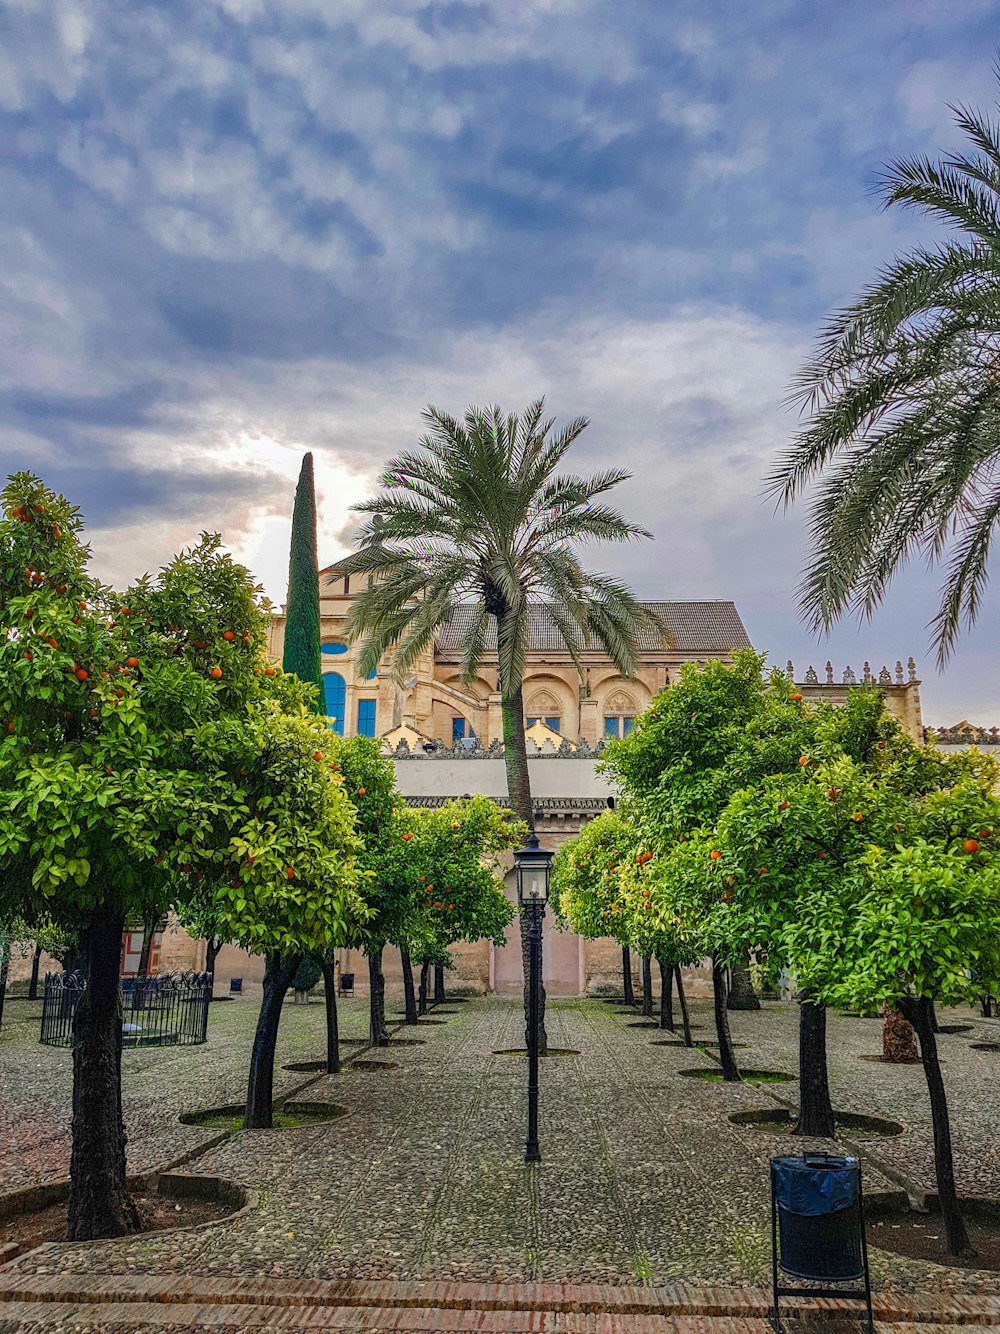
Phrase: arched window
[334,648]
[335,695]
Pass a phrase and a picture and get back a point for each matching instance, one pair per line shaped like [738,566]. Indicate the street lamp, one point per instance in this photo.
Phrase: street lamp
[532,865]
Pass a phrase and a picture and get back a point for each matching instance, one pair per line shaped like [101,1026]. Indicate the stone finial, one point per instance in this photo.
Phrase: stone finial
[790,670]
[884,677]
[911,668]
[899,672]
[849,678]
[867,674]
[811,678]
[829,672]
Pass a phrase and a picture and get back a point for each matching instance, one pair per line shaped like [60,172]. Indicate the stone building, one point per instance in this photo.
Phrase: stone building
[445,738]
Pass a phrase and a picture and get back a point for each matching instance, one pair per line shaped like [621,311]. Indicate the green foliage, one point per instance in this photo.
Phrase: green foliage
[149,756]
[901,401]
[301,655]
[307,974]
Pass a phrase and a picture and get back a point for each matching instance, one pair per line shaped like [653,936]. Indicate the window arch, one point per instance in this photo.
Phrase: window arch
[335,697]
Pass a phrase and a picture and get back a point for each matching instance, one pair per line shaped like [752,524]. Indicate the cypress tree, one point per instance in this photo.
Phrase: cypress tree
[301,652]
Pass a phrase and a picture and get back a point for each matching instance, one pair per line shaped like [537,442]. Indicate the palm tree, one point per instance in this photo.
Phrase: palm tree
[902,397]
[478,515]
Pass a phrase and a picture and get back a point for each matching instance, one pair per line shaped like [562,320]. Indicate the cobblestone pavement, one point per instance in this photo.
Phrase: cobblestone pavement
[36,1084]
[644,1179]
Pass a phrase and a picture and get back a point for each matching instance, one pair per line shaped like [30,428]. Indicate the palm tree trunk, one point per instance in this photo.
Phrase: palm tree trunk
[409,995]
[899,1042]
[727,1057]
[647,987]
[685,1017]
[741,993]
[627,975]
[919,1010]
[332,1018]
[515,752]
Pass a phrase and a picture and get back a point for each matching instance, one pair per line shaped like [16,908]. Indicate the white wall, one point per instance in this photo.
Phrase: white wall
[426,776]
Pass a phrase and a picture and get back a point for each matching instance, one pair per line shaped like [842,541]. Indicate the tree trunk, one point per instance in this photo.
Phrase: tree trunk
[647,987]
[932,1016]
[212,947]
[627,975]
[425,972]
[439,996]
[515,754]
[727,1058]
[149,925]
[4,967]
[899,1041]
[378,1034]
[986,1004]
[666,995]
[99,1204]
[332,1023]
[685,1017]
[278,974]
[409,995]
[741,993]
[918,1010]
[36,960]
[815,1109]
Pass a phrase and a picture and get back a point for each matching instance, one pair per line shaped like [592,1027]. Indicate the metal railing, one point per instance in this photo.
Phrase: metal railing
[169,1010]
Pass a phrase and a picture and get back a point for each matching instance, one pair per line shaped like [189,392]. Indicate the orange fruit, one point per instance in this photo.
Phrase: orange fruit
[361,792]
[228,635]
[803,759]
[317,754]
[782,805]
[268,671]
[856,815]
[215,673]
[796,698]
[131,662]
[289,871]
[80,674]
[715,854]
[971,845]
[406,837]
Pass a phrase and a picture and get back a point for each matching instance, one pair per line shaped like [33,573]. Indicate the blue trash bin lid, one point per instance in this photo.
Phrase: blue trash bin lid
[814,1185]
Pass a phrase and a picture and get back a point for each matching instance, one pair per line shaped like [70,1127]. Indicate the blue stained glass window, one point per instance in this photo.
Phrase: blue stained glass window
[333,648]
[460,729]
[611,725]
[366,717]
[627,725]
[335,693]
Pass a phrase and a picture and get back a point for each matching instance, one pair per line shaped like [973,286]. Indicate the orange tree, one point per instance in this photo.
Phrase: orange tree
[713,732]
[457,850]
[133,728]
[920,924]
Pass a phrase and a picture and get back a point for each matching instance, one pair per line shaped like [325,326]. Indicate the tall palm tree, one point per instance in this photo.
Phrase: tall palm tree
[477,515]
[902,397]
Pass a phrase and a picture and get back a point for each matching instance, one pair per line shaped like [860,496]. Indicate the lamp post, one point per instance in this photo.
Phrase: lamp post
[532,865]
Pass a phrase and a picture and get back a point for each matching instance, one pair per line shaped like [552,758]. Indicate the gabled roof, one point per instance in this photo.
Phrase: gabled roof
[693,629]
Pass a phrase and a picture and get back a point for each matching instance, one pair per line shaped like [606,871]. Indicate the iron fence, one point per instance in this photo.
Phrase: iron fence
[169,1010]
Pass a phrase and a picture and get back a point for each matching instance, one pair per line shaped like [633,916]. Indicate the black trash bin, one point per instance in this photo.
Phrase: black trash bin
[819,1216]
[818,1230]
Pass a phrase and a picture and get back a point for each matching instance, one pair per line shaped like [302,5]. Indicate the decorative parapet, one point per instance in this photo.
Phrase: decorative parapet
[470,749]
[963,734]
[884,680]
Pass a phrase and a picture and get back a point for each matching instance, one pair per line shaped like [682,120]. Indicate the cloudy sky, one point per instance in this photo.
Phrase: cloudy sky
[234,230]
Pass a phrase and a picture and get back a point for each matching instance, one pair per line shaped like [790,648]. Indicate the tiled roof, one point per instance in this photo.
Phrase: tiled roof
[693,629]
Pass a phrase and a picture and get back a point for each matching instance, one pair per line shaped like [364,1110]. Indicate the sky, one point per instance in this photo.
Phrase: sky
[237,230]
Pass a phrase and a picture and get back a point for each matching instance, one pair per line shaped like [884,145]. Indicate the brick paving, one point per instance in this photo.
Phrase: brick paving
[645,1183]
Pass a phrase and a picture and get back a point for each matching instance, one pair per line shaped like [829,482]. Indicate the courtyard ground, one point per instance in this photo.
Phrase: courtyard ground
[645,1182]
